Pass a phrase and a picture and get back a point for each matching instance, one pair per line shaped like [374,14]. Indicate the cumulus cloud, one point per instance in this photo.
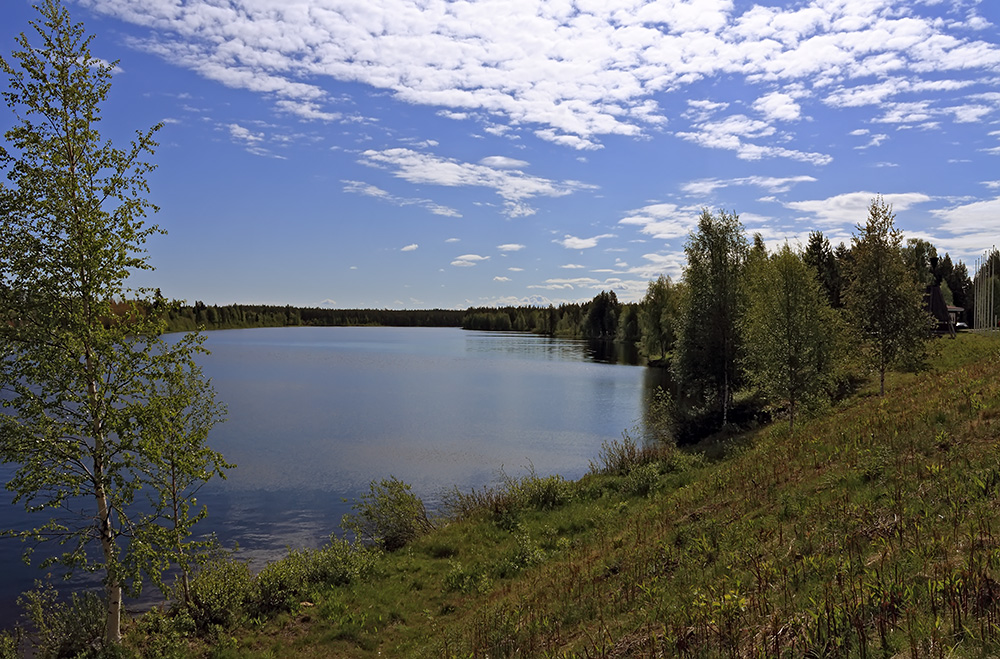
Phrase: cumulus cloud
[514,187]
[410,248]
[572,242]
[663,221]
[571,73]
[468,260]
[501,279]
[778,106]
[973,226]
[852,208]
[510,247]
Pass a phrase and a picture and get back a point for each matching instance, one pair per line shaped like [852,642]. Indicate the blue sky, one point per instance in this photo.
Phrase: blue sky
[430,153]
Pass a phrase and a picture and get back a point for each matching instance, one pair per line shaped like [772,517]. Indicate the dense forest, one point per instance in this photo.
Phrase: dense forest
[184,318]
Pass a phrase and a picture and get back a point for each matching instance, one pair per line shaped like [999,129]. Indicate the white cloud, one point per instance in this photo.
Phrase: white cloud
[510,247]
[513,186]
[368,190]
[979,220]
[453,240]
[567,284]
[572,242]
[410,248]
[572,73]
[663,221]
[572,266]
[735,133]
[502,162]
[501,279]
[516,269]
[770,183]
[852,208]
[468,260]
[778,106]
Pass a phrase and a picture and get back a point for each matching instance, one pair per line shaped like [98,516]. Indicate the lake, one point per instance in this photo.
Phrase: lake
[315,414]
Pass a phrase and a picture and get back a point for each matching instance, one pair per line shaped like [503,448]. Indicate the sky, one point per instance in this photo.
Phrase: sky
[455,153]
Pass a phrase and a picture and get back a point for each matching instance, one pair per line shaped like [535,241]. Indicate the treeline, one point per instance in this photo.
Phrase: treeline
[241,316]
[604,317]
[773,333]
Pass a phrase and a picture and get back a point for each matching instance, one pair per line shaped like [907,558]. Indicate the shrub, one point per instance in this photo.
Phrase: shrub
[390,515]
[68,628]
[220,593]
[282,584]
[642,480]
[460,579]
[503,504]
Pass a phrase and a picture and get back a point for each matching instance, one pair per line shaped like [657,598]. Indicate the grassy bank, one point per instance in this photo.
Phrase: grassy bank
[874,530]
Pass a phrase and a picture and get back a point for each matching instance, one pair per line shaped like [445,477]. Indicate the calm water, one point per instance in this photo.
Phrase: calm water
[316,413]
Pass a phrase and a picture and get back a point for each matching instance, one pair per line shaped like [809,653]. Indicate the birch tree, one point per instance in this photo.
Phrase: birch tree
[884,303]
[706,357]
[790,331]
[82,363]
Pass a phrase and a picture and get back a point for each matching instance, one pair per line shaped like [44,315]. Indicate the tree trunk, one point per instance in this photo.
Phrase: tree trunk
[112,627]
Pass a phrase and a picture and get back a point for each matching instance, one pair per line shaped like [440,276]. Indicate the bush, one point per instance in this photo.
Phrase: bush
[642,480]
[69,628]
[281,585]
[220,593]
[390,515]
[503,504]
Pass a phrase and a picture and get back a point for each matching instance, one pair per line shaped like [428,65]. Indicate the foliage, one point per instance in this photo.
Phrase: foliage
[919,255]
[706,358]
[820,257]
[220,594]
[281,585]
[791,332]
[389,515]
[63,628]
[505,503]
[83,358]
[885,305]
[601,321]
[659,313]
[179,462]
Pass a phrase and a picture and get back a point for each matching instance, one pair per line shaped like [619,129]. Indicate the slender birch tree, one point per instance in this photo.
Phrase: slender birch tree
[82,363]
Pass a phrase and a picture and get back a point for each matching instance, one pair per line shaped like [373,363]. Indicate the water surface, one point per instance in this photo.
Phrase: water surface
[315,414]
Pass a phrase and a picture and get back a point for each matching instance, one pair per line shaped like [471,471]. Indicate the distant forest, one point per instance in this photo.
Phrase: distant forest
[601,318]
[186,318]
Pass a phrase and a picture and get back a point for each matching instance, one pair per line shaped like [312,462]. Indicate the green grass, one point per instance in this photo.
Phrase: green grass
[873,531]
